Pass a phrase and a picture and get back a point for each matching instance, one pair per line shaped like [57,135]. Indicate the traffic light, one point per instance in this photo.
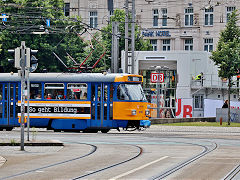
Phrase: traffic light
[24,57]
[17,57]
[33,63]
[31,60]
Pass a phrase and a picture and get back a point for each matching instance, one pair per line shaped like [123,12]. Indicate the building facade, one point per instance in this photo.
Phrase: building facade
[180,91]
[182,33]
[190,25]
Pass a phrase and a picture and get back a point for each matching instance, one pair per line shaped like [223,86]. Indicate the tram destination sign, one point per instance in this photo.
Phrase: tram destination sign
[157,77]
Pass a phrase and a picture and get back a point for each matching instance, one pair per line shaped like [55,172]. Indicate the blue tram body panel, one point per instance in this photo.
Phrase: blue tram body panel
[67,101]
[120,123]
[69,124]
[39,122]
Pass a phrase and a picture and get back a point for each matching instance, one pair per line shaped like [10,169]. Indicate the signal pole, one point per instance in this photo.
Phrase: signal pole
[23,61]
[126,36]
[115,47]
[133,36]
[23,90]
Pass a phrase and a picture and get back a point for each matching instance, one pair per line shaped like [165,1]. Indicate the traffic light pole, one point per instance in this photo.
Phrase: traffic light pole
[28,98]
[23,90]
[26,64]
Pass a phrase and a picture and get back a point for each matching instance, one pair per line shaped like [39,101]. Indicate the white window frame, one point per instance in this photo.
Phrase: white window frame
[164,16]
[229,10]
[208,44]
[166,44]
[188,43]
[188,16]
[199,104]
[155,17]
[154,45]
[93,19]
[208,17]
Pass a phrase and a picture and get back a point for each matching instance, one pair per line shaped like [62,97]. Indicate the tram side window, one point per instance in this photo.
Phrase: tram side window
[54,91]
[35,90]
[77,91]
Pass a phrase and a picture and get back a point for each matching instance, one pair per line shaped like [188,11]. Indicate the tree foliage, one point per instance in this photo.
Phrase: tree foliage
[227,54]
[26,17]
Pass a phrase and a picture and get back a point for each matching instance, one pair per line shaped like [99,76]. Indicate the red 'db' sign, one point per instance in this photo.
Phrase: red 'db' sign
[157,77]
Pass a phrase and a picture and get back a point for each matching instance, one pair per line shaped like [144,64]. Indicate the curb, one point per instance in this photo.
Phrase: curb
[34,143]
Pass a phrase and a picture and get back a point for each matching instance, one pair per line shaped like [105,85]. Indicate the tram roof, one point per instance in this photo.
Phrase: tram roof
[63,77]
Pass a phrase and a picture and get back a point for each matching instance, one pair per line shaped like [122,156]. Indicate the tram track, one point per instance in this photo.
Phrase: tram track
[163,175]
[207,147]
[176,168]
[93,150]
[232,174]
[113,165]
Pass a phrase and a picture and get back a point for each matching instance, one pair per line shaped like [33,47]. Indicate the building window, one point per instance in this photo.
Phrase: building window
[166,45]
[164,17]
[93,19]
[111,13]
[229,11]
[154,44]
[189,16]
[188,44]
[155,17]
[198,101]
[209,17]
[67,9]
[208,45]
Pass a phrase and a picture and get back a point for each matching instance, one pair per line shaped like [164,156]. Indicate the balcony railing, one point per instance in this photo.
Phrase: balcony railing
[211,81]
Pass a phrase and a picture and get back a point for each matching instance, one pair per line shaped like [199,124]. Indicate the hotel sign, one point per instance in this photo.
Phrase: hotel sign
[155,33]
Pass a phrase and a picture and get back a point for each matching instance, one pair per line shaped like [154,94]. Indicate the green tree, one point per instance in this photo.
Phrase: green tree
[28,17]
[119,16]
[227,54]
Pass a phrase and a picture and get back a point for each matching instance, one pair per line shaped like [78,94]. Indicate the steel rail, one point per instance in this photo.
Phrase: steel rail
[94,148]
[232,173]
[111,166]
[170,171]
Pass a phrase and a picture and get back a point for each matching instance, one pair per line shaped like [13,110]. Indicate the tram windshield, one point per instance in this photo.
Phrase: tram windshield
[130,92]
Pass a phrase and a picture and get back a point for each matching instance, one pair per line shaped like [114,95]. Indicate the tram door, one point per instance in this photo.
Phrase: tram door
[102,105]
[8,104]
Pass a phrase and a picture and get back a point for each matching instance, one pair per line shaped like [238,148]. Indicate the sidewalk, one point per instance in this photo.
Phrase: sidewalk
[38,147]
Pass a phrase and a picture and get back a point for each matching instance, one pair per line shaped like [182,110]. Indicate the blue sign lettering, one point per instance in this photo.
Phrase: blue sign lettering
[148,34]
[156,33]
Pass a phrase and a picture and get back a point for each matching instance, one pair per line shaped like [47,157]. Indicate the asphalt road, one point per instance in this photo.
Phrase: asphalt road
[160,152]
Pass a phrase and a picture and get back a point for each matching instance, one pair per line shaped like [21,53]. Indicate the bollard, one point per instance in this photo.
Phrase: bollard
[220,121]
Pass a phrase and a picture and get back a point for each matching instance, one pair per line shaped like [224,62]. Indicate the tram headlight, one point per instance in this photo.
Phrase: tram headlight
[134,112]
[147,112]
